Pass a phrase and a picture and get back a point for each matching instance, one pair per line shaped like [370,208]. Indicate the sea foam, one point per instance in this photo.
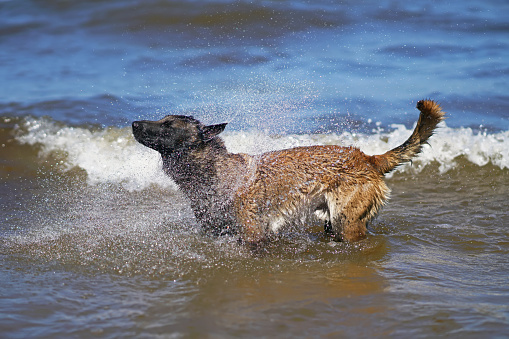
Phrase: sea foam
[111,155]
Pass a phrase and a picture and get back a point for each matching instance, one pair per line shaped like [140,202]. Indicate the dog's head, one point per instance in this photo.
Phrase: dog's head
[174,133]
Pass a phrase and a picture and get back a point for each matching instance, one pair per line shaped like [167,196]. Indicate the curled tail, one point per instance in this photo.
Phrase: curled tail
[431,115]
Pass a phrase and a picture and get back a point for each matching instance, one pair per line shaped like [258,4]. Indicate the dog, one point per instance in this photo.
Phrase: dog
[256,196]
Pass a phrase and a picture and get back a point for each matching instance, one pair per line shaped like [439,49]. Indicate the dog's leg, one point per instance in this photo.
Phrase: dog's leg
[252,226]
[354,230]
[322,213]
[350,209]
[327,228]
[347,228]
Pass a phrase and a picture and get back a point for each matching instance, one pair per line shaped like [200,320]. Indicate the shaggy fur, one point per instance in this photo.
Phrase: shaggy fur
[255,196]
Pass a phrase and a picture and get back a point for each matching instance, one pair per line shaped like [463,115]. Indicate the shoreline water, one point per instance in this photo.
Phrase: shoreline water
[96,241]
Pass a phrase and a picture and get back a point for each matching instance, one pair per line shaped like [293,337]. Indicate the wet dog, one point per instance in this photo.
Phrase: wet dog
[256,196]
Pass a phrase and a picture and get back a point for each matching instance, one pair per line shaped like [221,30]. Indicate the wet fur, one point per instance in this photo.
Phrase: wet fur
[256,196]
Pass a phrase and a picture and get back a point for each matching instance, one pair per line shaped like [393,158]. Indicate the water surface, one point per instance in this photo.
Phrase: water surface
[96,241]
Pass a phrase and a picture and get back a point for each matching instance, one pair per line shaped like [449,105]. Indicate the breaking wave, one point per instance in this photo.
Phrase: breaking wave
[111,155]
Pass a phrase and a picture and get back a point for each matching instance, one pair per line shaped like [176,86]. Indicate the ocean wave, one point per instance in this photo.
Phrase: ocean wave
[111,155]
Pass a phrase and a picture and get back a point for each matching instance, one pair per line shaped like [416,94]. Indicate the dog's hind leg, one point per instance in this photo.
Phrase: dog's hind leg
[350,209]
[345,227]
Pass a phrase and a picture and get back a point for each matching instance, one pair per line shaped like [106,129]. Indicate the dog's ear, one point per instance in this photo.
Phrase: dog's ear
[209,132]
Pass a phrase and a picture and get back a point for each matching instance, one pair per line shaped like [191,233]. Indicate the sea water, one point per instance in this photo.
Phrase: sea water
[95,240]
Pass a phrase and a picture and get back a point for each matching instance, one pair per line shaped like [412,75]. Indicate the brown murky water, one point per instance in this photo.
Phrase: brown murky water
[100,260]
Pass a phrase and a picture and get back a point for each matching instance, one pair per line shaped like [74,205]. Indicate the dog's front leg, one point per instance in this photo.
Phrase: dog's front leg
[251,228]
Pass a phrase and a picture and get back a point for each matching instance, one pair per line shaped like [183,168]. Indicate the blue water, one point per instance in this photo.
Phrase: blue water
[95,240]
[111,62]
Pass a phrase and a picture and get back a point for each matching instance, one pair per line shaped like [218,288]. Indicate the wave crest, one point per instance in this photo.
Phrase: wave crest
[111,155]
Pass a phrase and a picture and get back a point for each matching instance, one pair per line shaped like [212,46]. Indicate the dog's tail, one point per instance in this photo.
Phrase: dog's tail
[431,115]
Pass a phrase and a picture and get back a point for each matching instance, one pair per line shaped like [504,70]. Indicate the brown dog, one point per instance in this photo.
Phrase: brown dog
[256,196]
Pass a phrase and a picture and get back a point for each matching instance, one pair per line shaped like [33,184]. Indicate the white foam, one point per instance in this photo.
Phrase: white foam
[108,156]
[112,155]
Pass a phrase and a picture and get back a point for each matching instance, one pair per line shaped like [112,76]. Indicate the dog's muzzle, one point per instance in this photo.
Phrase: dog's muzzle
[139,131]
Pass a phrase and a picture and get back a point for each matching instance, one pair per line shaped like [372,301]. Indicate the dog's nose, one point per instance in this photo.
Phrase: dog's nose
[136,124]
